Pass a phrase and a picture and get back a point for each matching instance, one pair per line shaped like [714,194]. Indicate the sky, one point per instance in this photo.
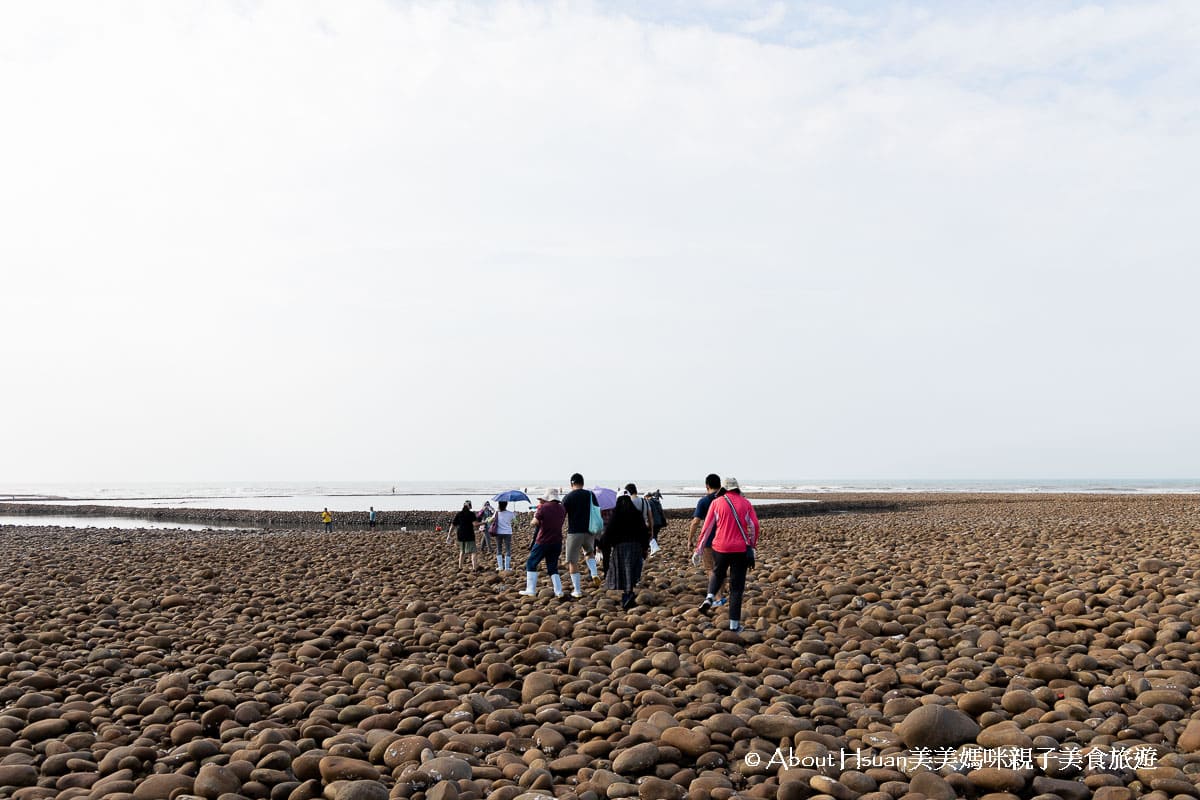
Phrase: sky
[417,241]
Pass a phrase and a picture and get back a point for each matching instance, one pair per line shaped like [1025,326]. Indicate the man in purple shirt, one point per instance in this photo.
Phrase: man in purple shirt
[547,543]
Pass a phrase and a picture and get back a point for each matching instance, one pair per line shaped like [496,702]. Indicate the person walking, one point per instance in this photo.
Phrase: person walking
[464,523]
[734,524]
[712,484]
[371,518]
[625,544]
[547,543]
[640,504]
[504,534]
[702,553]
[485,518]
[580,540]
[327,520]
[643,507]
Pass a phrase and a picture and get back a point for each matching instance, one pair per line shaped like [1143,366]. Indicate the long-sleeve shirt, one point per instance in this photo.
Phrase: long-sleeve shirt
[550,517]
[721,531]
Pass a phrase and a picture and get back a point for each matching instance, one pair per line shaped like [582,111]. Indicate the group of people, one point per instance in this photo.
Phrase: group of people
[724,534]
[327,518]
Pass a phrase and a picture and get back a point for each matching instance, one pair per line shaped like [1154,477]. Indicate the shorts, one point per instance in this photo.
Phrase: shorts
[578,544]
[466,548]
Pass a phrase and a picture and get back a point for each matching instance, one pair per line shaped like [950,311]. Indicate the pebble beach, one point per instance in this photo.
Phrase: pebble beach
[937,639]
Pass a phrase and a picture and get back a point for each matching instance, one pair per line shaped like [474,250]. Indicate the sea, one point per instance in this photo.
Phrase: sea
[449,495]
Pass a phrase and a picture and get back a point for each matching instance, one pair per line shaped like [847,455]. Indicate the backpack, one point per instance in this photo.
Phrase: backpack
[657,515]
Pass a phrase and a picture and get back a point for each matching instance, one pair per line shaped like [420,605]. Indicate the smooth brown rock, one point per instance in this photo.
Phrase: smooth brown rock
[995,779]
[341,768]
[633,760]
[776,726]
[45,729]
[358,790]
[155,787]
[214,780]
[932,785]
[13,775]
[1068,790]
[692,742]
[937,726]
[659,789]
[448,769]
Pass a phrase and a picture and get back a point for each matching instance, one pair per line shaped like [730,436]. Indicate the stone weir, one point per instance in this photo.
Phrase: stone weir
[417,520]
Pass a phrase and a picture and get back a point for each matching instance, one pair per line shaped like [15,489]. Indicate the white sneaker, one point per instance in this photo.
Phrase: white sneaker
[577,594]
[527,594]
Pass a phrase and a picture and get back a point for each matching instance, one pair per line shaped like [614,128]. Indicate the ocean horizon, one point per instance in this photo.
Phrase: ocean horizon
[440,495]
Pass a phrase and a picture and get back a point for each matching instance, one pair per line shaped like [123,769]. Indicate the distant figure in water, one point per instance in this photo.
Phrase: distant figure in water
[393,490]
[327,519]
[371,518]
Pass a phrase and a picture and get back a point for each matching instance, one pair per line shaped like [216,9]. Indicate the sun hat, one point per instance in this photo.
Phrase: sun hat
[550,494]
[729,484]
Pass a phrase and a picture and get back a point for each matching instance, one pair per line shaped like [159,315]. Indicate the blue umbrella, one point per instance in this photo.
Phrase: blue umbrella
[512,495]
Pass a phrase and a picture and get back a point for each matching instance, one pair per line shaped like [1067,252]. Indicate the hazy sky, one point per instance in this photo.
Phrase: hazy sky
[372,240]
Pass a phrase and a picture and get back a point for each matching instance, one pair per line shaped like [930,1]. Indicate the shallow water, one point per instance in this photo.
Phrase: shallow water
[340,503]
[127,523]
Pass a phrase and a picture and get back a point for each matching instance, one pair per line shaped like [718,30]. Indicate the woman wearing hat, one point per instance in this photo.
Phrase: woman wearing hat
[547,543]
[731,526]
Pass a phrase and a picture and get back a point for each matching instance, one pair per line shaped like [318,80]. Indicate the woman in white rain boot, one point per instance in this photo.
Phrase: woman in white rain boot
[503,535]
[547,543]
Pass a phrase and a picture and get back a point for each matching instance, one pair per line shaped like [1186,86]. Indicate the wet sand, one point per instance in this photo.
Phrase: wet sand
[362,664]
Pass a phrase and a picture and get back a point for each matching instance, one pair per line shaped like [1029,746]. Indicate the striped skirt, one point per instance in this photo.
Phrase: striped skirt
[624,566]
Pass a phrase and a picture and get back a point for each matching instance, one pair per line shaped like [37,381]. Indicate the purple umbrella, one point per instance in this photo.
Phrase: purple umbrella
[606,497]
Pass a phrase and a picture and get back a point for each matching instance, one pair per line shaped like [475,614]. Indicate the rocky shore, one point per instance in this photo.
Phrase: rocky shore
[411,519]
[937,642]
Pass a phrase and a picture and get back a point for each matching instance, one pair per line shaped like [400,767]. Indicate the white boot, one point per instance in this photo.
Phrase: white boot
[530,584]
[591,562]
[576,585]
[556,579]
[507,563]
[499,561]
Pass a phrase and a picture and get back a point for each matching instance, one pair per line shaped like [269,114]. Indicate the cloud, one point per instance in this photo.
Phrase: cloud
[492,214]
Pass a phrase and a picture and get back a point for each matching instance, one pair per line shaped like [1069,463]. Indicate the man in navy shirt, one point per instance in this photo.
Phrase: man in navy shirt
[580,541]
[712,484]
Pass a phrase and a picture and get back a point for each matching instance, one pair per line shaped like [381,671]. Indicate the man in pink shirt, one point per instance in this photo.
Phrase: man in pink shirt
[731,530]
